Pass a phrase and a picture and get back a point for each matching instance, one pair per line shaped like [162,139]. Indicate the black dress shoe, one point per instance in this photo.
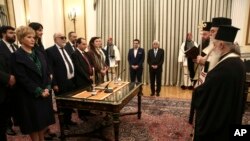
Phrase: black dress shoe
[10,131]
[158,94]
[152,94]
[183,87]
[190,87]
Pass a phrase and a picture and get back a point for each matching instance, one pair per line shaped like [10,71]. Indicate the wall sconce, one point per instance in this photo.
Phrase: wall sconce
[72,17]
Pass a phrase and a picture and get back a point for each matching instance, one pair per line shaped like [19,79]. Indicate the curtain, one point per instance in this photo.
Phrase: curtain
[167,21]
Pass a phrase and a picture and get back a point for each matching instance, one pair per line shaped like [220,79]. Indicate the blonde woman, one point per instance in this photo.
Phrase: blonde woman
[34,102]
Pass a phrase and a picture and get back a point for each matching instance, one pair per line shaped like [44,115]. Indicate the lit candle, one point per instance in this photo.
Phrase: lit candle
[93,75]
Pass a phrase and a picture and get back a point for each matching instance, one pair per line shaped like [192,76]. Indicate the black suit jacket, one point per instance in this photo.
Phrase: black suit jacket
[4,78]
[158,60]
[69,48]
[30,107]
[6,52]
[5,69]
[82,74]
[27,75]
[138,60]
[59,70]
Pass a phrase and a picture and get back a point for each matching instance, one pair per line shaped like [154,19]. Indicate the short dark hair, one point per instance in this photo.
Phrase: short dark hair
[79,40]
[4,28]
[69,34]
[35,26]
[136,40]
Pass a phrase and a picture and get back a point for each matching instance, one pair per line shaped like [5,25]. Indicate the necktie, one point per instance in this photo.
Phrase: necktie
[155,52]
[13,48]
[67,61]
[86,59]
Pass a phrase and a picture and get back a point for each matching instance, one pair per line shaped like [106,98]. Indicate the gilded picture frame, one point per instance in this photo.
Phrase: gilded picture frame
[4,14]
[248,30]
[7,16]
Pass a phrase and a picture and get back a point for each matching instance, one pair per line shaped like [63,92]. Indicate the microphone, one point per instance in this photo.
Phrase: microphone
[107,90]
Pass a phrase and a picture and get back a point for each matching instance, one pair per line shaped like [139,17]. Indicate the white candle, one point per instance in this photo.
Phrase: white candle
[93,75]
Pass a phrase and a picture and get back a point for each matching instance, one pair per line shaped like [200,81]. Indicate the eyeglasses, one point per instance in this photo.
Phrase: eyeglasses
[62,37]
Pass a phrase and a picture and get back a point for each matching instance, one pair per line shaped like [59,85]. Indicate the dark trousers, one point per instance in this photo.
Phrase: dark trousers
[3,121]
[155,76]
[136,74]
[68,86]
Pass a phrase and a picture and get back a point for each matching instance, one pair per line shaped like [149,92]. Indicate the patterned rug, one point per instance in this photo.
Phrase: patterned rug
[162,120]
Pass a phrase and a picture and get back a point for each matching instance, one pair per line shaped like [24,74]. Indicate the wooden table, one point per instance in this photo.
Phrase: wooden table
[113,103]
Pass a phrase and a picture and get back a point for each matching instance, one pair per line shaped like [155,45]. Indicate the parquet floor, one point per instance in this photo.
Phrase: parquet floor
[170,92]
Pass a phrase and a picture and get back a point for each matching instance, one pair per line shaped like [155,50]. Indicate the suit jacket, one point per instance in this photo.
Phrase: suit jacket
[82,74]
[32,111]
[4,78]
[69,48]
[5,69]
[58,69]
[155,60]
[6,52]
[138,60]
[27,74]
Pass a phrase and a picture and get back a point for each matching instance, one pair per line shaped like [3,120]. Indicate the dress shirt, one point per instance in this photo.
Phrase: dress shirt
[135,51]
[69,75]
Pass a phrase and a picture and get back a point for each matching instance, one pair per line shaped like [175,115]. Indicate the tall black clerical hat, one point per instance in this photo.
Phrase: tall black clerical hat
[207,26]
[218,21]
[226,33]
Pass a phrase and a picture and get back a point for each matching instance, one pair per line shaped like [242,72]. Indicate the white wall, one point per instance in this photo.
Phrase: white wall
[47,12]
[19,10]
[50,15]
[240,10]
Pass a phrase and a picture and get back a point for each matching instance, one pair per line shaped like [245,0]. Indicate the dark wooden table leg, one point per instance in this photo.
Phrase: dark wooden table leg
[61,123]
[116,123]
[139,103]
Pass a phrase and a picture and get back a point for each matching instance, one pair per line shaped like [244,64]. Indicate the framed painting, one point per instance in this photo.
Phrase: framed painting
[248,30]
[4,16]
[7,13]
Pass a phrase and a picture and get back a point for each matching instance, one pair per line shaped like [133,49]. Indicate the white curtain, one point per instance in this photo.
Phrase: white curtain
[167,21]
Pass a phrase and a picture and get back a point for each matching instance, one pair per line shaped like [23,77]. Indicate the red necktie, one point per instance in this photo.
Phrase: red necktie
[86,59]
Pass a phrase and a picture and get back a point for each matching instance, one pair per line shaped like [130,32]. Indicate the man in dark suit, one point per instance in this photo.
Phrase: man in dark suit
[83,71]
[136,57]
[7,47]
[6,80]
[83,68]
[63,71]
[155,61]
[71,44]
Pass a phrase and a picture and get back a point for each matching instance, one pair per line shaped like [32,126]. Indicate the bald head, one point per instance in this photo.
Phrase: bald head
[189,36]
[59,39]
[110,40]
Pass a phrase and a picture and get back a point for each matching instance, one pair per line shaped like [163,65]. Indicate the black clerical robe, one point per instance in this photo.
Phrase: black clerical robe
[219,100]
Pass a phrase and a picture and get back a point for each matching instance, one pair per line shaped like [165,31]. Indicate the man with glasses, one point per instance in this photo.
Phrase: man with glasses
[63,71]
[7,47]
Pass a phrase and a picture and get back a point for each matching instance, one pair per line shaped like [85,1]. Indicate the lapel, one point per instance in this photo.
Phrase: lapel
[58,54]
[22,57]
[138,52]
[4,48]
[79,55]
